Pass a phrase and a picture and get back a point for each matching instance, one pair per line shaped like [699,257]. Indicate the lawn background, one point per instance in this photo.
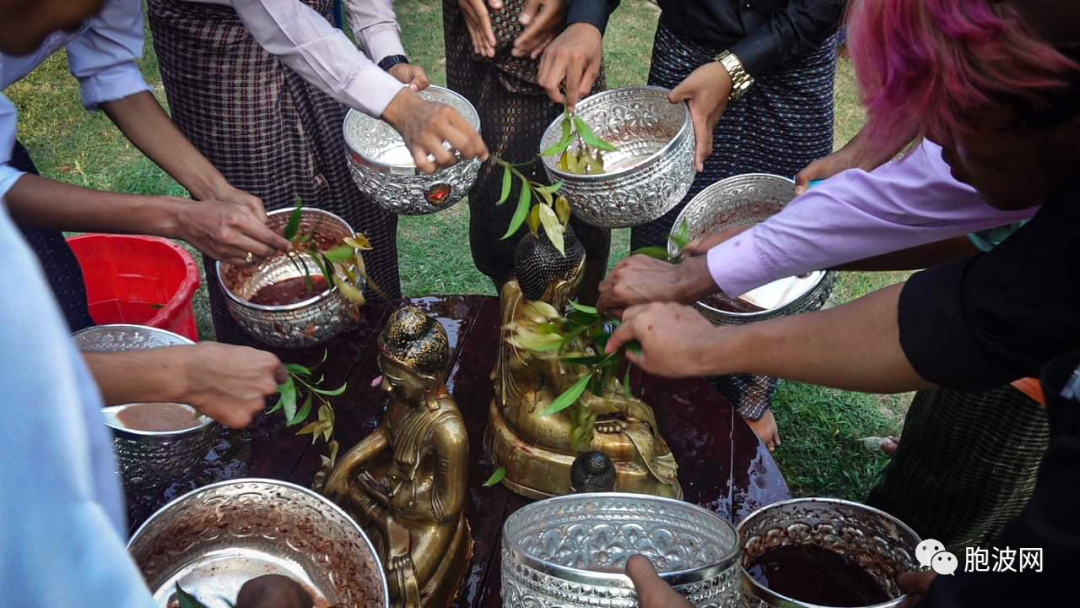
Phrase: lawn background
[821,429]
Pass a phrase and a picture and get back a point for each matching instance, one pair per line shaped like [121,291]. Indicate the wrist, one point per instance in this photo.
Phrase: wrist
[738,79]
[207,186]
[400,107]
[694,280]
[168,216]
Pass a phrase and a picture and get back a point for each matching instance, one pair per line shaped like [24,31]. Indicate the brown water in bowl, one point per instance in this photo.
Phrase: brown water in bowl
[289,291]
[157,417]
[816,576]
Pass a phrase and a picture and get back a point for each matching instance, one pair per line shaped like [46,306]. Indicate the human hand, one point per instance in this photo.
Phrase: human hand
[227,383]
[766,430]
[273,591]
[478,21]
[707,89]
[412,75]
[915,585]
[640,279]
[425,125]
[572,60]
[542,20]
[702,246]
[225,231]
[676,341]
[652,591]
[824,168]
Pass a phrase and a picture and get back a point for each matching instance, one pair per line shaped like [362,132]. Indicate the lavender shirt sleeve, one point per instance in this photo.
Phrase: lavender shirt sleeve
[908,202]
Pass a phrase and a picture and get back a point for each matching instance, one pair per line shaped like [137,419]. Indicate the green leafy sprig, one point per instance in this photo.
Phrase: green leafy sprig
[304,389]
[587,157]
[680,238]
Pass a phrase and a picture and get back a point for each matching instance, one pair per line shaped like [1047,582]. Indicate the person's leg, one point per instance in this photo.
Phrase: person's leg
[57,260]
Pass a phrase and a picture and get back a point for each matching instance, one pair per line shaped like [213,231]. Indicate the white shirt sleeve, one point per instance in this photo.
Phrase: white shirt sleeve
[320,53]
[8,174]
[376,28]
[105,57]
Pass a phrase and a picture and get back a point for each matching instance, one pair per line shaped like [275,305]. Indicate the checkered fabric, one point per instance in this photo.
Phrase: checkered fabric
[783,123]
[267,130]
[514,112]
[967,464]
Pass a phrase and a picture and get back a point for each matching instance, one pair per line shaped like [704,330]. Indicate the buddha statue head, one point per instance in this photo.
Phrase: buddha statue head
[545,274]
[413,354]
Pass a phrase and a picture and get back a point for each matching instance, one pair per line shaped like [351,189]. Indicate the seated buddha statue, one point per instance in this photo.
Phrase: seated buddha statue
[537,451]
[406,483]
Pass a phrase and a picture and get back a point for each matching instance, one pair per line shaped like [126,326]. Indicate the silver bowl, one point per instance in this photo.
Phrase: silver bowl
[214,539]
[305,323]
[883,545]
[383,167]
[148,459]
[650,173]
[745,200]
[570,551]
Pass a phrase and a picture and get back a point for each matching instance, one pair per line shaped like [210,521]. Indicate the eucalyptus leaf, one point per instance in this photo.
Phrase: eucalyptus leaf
[522,210]
[653,252]
[340,254]
[288,398]
[534,220]
[350,291]
[562,209]
[333,446]
[589,361]
[299,370]
[302,414]
[626,383]
[186,600]
[157,306]
[553,228]
[508,182]
[333,392]
[681,237]
[587,134]
[558,147]
[569,397]
[564,161]
[589,310]
[496,477]
[294,221]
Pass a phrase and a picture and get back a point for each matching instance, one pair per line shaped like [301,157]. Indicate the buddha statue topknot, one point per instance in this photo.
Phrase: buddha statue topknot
[406,483]
[538,451]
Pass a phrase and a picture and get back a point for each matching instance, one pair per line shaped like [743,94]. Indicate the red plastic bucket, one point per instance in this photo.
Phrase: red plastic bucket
[142,280]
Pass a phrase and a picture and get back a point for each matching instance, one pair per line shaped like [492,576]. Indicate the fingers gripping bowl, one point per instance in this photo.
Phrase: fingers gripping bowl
[383,168]
[651,171]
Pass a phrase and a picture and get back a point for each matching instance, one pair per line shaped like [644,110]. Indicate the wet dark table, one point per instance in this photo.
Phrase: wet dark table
[722,464]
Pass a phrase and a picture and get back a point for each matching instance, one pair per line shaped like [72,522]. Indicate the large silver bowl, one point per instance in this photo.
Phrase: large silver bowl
[305,323]
[148,459]
[745,200]
[569,551]
[383,168]
[883,545]
[214,539]
[650,173]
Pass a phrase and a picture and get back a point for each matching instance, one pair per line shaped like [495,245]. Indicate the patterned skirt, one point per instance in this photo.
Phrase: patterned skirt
[514,112]
[57,259]
[268,131]
[783,123]
[966,464]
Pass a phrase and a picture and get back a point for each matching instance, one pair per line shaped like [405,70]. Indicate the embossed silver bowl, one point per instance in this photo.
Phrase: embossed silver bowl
[570,551]
[305,323]
[214,539]
[745,200]
[650,173]
[883,545]
[383,167]
[148,459]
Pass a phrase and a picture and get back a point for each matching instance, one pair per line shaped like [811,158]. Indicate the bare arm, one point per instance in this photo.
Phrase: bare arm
[916,258]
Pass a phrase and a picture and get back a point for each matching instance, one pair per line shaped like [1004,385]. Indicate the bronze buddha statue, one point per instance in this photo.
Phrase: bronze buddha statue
[538,451]
[407,482]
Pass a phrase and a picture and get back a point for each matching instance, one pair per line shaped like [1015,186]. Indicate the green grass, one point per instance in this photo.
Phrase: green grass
[820,428]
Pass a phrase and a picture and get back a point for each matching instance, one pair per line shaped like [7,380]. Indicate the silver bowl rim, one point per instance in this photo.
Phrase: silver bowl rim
[286,307]
[645,162]
[285,484]
[404,169]
[136,433]
[747,316]
[615,579]
[764,592]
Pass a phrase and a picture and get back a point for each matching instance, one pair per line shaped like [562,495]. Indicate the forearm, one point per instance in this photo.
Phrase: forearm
[852,347]
[792,31]
[154,375]
[916,258]
[145,124]
[37,201]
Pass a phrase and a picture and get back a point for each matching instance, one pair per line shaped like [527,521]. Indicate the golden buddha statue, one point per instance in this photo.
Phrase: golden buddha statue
[406,483]
[537,451]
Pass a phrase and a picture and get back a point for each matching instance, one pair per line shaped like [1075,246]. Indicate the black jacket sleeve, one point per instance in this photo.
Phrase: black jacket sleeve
[595,12]
[800,27]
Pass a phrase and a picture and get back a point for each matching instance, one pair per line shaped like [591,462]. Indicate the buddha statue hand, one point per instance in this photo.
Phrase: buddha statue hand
[403,583]
[610,427]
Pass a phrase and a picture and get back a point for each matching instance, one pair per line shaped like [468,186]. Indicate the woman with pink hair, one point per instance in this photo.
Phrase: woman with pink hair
[997,86]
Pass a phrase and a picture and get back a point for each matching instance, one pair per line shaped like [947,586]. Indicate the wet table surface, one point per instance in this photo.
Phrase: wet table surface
[722,464]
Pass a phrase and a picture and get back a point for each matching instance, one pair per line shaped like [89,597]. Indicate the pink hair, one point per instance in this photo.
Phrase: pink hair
[926,67]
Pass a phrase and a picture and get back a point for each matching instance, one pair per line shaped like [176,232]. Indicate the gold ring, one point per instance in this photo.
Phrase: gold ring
[250,259]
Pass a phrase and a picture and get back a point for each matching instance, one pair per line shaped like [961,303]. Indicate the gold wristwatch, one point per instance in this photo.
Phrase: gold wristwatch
[740,78]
